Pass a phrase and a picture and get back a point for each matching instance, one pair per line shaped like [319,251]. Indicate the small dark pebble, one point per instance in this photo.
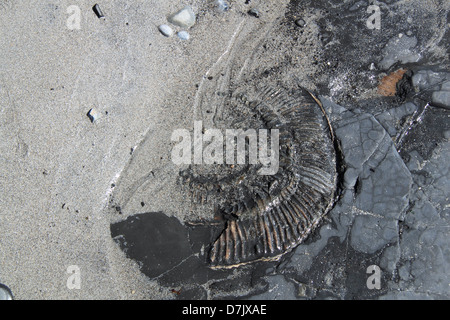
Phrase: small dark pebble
[254,13]
[300,22]
[210,78]
[247,1]
[98,11]
[142,204]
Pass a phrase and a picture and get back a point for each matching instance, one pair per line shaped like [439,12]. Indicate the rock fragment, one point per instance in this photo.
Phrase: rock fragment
[254,13]
[185,18]
[98,12]
[400,48]
[437,82]
[93,115]
[300,22]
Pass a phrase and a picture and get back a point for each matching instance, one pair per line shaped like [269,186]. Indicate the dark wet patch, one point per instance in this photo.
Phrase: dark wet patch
[171,253]
[157,241]
[167,250]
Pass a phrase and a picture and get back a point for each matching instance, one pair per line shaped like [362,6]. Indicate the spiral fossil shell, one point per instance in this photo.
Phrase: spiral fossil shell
[248,217]
[266,216]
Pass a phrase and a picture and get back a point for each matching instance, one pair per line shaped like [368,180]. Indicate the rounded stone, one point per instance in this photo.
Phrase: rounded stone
[166,30]
[300,22]
[254,13]
[221,5]
[183,35]
[5,293]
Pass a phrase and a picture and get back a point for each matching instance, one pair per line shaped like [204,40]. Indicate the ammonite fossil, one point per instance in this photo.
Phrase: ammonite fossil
[267,215]
[249,216]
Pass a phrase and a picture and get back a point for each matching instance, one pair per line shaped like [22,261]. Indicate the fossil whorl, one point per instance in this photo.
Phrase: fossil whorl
[268,215]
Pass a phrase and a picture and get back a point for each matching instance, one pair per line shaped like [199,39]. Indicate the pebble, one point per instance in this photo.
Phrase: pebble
[93,114]
[300,22]
[166,30]
[221,5]
[254,13]
[185,18]
[5,293]
[183,35]
[98,12]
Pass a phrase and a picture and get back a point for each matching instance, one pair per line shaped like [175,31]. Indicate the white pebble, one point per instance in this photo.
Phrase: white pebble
[5,293]
[183,35]
[221,5]
[184,18]
[166,30]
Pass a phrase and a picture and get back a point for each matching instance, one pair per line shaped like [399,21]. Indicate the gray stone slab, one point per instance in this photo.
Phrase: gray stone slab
[370,234]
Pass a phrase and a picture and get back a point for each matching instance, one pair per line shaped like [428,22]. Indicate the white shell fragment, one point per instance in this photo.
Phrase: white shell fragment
[184,18]
[166,30]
